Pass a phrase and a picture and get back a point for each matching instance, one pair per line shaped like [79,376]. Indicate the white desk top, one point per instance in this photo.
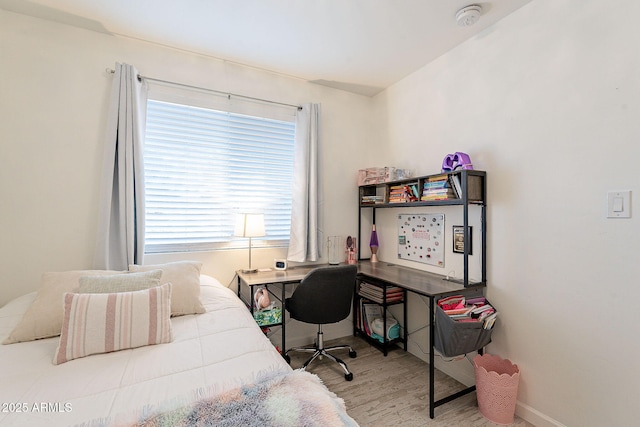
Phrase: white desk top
[290,275]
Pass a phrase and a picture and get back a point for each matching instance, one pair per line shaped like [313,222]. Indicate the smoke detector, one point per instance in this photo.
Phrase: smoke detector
[469,15]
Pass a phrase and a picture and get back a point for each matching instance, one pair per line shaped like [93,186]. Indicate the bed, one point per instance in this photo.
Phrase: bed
[217,369]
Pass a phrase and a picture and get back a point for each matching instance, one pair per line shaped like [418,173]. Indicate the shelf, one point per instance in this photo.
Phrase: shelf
[269,325]
[461,188]
[373,301]
[413,204]
[369,293]
[465,187]
[376,343]
[249,303]
[270,317]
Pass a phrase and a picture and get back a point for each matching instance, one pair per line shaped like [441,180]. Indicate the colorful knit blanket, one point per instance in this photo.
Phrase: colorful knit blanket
[293,399]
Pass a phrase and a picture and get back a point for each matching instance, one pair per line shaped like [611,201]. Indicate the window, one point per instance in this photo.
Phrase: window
[203,166]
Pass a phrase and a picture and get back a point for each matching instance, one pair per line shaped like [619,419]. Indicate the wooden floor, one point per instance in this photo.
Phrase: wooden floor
[393,390]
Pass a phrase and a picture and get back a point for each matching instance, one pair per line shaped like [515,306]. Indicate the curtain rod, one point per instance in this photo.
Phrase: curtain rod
[228,94]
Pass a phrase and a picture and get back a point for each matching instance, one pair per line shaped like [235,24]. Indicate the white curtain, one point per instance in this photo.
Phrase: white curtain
[121,217]
[305,243]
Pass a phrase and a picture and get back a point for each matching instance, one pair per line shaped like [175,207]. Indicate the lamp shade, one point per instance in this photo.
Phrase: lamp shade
[249,225]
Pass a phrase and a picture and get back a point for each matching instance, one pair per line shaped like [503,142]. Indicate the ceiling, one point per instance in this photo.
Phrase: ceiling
[362,46]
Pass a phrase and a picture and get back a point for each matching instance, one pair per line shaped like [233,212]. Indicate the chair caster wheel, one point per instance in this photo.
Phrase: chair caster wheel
[287,359]
[352,354]
[348,376]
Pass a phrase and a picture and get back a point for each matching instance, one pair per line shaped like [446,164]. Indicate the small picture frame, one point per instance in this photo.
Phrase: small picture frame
[458,239]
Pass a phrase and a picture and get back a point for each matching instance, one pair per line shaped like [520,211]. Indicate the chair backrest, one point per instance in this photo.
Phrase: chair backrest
[324,295]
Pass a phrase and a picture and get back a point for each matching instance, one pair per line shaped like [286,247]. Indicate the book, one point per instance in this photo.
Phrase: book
[380,292]
[480,309]
[409,195]
[372,200]
[380,300]
[478,301]
[377,293]
[434,198]
[436,184]
[490,320]
[459,311]
[454,301]
[370,313]
[388,288]
[441,177]
[455,180]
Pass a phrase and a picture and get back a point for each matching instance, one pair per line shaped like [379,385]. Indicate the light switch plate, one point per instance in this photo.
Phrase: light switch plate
[619,204]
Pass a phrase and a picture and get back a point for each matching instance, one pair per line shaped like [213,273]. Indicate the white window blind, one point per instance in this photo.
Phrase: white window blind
[204,166]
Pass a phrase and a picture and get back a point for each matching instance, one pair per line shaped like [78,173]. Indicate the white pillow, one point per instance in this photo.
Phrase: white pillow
[103,323]
[119,282]
[185,278]
[43,318]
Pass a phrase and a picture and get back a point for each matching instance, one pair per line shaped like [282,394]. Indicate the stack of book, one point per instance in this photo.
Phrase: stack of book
[377,294]
[438,187]
[396,194]
[372,200]
[403,193]
[460,309]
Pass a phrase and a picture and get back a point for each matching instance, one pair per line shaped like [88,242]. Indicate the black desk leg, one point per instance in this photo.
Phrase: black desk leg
[406,322]
[283,350]
[432,335]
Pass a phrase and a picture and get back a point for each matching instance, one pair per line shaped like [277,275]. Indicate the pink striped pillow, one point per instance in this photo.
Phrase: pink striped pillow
[101,323]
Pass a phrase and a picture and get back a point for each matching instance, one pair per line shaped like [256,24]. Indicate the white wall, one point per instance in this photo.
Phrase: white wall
[547,101]
[54,97]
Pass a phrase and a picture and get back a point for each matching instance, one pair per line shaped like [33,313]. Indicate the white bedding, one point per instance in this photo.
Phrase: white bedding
[221,349]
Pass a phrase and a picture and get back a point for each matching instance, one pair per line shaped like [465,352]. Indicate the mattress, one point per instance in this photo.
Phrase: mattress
[217,351]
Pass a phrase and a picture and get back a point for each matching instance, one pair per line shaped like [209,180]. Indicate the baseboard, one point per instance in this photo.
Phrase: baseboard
[535,417]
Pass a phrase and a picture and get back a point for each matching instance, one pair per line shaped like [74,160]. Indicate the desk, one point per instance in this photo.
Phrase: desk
[270,278]
[433,286]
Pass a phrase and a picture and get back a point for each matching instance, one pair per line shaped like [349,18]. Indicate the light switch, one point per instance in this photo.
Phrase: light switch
[619,204]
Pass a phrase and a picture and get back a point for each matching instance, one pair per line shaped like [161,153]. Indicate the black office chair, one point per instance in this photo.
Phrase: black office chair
[323,296]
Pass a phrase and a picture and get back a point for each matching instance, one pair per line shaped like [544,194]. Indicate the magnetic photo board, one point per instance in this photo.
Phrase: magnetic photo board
[421,238]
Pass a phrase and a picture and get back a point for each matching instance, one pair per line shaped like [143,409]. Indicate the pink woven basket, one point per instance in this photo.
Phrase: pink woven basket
[496,387]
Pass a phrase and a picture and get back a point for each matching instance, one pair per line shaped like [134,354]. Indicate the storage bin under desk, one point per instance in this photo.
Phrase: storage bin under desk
[455,338]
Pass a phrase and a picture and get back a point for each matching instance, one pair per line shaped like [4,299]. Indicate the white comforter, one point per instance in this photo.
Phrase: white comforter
[219,350]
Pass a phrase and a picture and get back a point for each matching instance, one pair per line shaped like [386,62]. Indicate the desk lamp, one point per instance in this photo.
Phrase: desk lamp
[250,225]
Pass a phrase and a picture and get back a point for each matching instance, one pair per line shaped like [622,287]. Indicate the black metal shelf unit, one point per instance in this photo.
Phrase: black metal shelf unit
[471,189]
[360,329]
